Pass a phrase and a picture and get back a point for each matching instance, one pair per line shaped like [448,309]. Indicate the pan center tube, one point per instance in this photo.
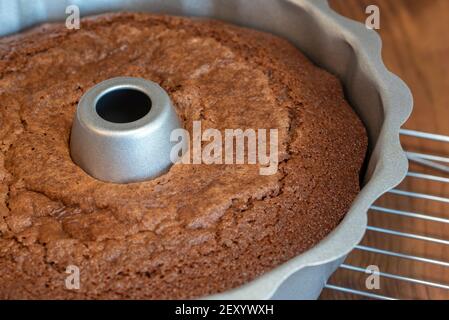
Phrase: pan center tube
[121,130]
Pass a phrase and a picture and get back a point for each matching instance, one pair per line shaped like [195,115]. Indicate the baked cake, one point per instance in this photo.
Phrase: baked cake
[198,229]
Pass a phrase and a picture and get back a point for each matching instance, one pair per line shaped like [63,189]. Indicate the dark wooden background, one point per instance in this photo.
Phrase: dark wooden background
[415,37]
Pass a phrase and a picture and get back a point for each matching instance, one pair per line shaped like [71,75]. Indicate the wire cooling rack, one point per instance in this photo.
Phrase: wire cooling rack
[350,278]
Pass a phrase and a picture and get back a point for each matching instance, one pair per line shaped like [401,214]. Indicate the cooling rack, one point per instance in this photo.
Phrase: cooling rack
[411,264]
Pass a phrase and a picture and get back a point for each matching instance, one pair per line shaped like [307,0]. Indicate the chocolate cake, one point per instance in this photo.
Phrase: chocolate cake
[197,229]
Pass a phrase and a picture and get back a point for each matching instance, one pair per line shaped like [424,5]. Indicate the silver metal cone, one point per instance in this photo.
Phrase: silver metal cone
[121,130]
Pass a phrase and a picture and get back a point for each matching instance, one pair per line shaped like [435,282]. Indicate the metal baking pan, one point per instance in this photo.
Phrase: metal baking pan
[341,46]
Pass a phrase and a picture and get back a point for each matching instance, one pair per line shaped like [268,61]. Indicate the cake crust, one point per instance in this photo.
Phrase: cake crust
[198,229]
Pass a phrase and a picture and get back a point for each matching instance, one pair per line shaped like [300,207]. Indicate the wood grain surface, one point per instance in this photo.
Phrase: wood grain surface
[415,37]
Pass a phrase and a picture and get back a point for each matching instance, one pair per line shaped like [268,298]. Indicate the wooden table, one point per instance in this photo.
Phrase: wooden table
[415,37]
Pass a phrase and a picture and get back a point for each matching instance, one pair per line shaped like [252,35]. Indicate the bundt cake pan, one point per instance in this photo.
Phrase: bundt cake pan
[343,47]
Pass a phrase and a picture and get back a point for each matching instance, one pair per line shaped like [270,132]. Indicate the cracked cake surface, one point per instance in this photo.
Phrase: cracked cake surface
[198,229]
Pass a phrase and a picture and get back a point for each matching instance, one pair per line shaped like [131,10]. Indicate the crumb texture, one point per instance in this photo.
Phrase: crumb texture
[198,229]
